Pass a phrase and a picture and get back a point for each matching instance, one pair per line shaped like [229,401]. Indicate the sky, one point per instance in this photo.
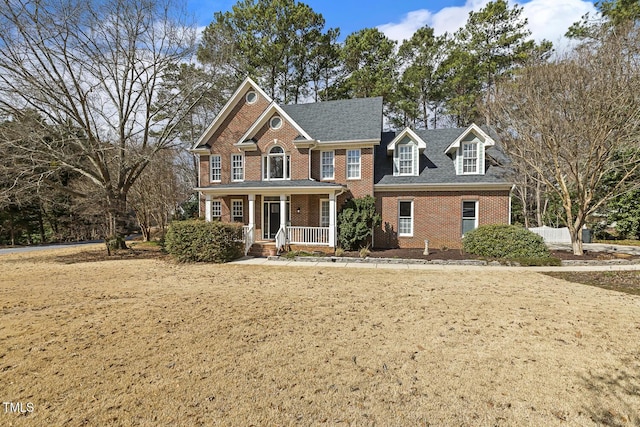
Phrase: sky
[548,19]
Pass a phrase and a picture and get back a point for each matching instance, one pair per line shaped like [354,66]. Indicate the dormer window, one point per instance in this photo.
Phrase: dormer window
[405,159]
[405,149]
[276,165]
[468,151]
[470,157]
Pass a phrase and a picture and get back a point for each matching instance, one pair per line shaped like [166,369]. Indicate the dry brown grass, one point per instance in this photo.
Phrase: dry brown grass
[148,342]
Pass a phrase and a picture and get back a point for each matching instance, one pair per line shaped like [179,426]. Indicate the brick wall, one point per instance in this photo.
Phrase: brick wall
[437,216]
[230,131]
[356,187]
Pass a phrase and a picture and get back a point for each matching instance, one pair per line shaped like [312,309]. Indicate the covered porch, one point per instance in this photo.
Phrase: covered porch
[288,213]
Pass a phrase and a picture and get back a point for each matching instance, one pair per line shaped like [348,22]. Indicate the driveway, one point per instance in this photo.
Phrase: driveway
[19,249]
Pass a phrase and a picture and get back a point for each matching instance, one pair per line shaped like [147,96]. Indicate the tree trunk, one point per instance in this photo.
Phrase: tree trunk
[576,240]
[117,215]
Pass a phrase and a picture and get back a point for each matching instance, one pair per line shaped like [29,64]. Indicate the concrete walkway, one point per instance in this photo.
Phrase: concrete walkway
[371,263]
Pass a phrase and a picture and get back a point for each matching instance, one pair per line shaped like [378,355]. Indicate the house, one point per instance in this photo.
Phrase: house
[284,171]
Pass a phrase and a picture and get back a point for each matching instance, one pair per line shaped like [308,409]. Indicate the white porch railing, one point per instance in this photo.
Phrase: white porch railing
[281,239]
[248,237]
[308,235]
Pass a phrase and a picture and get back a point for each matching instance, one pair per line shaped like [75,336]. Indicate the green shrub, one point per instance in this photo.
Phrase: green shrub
[199,241]
[356,221]
[505,241]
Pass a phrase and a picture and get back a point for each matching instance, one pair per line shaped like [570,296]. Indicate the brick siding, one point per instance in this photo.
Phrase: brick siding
[437,216]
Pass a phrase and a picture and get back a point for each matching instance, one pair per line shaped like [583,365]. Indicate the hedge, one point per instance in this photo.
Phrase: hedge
[199,241]
[505,241]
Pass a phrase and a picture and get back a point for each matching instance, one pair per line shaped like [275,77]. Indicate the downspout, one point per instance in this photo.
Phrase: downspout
[310,148]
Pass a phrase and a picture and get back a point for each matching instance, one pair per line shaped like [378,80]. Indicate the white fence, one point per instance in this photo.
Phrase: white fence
[553,235]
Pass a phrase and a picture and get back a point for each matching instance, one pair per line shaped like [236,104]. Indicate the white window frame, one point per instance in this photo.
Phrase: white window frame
[412,168]
[354,163]
[266,165]
[246,97]
[475,213]
[215,159]
[276,126]
[216,208]
[324,220]
[237,165]
[470,152]
[401,232]
[324,154]
[237,212]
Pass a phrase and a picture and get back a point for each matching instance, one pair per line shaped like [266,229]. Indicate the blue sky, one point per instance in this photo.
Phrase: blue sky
[399,19]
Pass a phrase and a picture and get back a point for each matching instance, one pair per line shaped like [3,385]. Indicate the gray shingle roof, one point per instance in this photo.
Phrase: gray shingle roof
[435,166]
[342,120]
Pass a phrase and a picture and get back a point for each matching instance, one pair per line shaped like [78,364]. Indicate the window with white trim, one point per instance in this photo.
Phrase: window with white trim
[469,216]
[251,97]
[405,159]
[216,167]
[216,210]
[237,210]
[276,165]
[470,157]
[353,164]
[327,164]
[405,218]
[324,213]
[275,122]
[237,167]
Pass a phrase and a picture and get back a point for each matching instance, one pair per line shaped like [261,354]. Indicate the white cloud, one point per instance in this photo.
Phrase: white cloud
[548,19]
[412,22]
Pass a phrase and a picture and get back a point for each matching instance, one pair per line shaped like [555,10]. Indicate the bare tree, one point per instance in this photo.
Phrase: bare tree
[158,192]
[575,121]
[93,70]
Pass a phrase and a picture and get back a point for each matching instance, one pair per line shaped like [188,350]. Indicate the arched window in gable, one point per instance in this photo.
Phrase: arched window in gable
[276,164]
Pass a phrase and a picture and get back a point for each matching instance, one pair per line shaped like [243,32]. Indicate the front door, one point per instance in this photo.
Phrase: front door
[271,217]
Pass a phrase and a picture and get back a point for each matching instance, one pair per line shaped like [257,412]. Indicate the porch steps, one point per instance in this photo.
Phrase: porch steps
[262,249]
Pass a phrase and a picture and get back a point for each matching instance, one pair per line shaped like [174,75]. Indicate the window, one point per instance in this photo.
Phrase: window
[470,157]
[324,213]
[216,210]
[353,164]
[237,167]
[216,168]
[237,214]
[276,164]
[405,159]
[405,218]
[469,216]
[275,122]
[327,164]
[251,97]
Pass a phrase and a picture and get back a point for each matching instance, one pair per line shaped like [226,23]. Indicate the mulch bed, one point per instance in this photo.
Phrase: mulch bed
[458,254]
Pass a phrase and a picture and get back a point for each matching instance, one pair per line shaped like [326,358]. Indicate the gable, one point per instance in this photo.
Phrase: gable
[239,111]
[267,121]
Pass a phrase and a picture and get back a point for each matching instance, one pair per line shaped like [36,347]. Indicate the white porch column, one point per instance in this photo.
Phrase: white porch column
[207,207]
[332,220]
[283,207]
[252,210]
